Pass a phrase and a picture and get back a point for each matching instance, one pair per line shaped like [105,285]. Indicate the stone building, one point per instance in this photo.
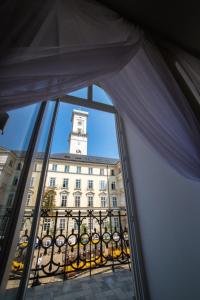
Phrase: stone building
[75,181]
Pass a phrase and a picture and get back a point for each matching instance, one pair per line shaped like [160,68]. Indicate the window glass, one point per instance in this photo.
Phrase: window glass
[90,201]
[90,184]
[82,93]
[114,201]
[65,182]
[99,95]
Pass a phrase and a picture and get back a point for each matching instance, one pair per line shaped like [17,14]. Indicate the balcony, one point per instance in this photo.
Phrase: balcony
[67,253]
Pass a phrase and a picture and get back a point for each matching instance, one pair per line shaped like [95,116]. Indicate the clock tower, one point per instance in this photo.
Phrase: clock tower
[78,137]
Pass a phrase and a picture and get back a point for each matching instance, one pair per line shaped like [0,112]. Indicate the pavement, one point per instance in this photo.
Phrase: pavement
[109,285]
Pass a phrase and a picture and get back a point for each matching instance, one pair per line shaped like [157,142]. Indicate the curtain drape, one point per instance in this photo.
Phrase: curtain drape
[190,65]
[81,42]
[78,42]
[147,93]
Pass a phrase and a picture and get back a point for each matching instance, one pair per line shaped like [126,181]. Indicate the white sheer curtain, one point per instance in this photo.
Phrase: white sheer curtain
[81,42]
[146,92]
[190,65]
[78,42]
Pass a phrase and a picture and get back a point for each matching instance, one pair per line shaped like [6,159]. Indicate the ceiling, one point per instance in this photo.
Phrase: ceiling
[178,21]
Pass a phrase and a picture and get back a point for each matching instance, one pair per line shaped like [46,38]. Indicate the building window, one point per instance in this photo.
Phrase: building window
[112,172]
[116,222]
[113,186]
[77,201]
[90,184]
[10,199]
[32,181]
[54,167]
[102,185]
[35,167]
[47,224]
[78,183]
[52,181]
[63,200]
[50,200]
[103,201]
[90,171]
[62,224]
[19,165]
[90,201]
[90,224]
[15,180]
[10,163]
[114,201]
[28,200]
[66,169]
[78,169]
[75,225]
[101,171]
[79,131]
[65,183]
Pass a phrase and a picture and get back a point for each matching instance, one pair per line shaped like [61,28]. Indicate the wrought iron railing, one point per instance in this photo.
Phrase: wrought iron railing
[82,241]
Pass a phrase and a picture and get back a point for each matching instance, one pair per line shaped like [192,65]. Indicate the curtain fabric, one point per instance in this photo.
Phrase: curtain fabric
[190,65]
[78,42]
[81,42]
[147,93]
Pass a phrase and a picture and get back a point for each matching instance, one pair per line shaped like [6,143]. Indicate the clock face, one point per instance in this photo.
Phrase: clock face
[78,151]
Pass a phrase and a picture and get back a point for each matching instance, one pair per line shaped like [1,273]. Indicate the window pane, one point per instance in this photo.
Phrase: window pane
[99,95]
[82,93]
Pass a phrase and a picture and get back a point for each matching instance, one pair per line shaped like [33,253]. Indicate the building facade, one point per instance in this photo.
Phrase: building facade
[75,181]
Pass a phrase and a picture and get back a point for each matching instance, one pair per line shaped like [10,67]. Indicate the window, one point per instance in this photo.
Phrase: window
[90,171]
[103,201]
[113,186]
[52,181]
[35,167]
[62,224]
[78,183]
[90,184]
[10,199]
[90,224]
[102,185]
[19,165]
[63,200]
[66,169]
[101,171]
[79,123]
[116,222]
[65,183]
[78,169]
[112,172]
[50,200]
[15,181]
[77,201]
[28,200]
[75,225]
[114,201]
[90,201]
[47,224]
[10,163]
[32,181]
[54,167]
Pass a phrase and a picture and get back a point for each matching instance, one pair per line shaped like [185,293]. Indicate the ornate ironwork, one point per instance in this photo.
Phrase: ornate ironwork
[86,240]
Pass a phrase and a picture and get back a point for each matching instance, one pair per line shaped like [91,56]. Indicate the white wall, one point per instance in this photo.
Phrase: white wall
[168,207]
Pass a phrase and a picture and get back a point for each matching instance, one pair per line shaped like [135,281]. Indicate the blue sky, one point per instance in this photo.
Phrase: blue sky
[102,139]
